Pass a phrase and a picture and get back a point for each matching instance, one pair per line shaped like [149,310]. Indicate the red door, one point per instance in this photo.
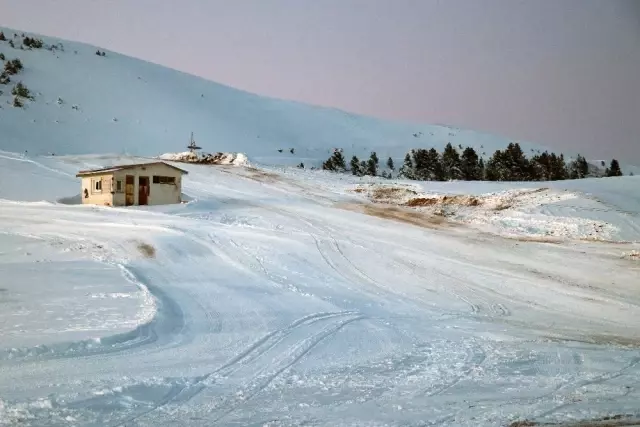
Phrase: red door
[143,190]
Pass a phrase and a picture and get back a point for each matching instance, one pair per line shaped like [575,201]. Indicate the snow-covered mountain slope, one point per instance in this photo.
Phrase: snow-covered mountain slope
[118,104]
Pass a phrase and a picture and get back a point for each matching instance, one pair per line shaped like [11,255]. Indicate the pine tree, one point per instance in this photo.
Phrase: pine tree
[451,163]
[406,171]
[2,37]
[328,165]
[390,163]
[558,168]
[578,168]
[495,169]
[335,162]
[372,165]
[470,165]
[517,163]
[540,166]
[437,167]
[421,165]
[374,157]
[2,58]
[614,169]
[363,167]
[338,161]
[355,166]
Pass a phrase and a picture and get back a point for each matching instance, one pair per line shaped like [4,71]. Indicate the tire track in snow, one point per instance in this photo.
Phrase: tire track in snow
[600,379]
[240,258]
[302,348]
[475,357]
[474,307]
[166,325]
[334,246]
[263,345]
[469,295]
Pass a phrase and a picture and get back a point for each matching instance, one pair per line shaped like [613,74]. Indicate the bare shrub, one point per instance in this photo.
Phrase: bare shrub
[147,250]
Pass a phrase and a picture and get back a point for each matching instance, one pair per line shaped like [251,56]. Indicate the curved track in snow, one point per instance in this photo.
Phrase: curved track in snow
[274,308]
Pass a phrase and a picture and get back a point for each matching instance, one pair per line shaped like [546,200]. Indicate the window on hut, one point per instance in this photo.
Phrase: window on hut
[164,179]
[96,185]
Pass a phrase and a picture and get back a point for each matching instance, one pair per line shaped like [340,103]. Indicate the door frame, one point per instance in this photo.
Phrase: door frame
[129,196]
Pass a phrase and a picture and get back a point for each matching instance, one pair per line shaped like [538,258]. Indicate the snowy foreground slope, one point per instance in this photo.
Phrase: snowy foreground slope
[286,297]
[85,103]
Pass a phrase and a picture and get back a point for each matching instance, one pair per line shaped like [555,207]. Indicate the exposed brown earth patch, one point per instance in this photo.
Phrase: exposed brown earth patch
[608,421]
[601,339]
[536,239]
[421,201]
[524,423]
[399,214]
[596,239]
[261,176]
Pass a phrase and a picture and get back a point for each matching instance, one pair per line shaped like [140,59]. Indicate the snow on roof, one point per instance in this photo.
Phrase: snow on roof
[115,168]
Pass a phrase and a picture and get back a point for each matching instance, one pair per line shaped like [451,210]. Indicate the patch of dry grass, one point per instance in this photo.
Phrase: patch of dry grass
[379,194]
[146,250]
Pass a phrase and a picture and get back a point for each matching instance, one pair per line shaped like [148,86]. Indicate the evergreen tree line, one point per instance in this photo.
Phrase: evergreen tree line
[510,164]
[357,167]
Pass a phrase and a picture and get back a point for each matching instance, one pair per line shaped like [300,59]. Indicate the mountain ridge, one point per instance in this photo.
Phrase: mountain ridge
[134,106]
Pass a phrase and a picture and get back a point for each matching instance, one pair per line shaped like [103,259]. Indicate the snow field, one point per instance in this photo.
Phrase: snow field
[273,305]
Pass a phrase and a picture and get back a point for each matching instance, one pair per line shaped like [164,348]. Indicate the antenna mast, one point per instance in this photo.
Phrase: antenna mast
[192,145]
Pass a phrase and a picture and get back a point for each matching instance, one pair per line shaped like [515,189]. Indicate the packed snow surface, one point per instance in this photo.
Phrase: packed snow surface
[295,297]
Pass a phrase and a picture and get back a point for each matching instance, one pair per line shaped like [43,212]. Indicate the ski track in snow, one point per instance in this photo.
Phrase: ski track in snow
[266,305]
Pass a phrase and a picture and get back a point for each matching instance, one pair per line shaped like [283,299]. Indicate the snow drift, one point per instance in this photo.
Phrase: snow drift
[234,159]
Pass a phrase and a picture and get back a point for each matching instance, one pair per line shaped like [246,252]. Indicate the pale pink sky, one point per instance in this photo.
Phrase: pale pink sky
[563,73]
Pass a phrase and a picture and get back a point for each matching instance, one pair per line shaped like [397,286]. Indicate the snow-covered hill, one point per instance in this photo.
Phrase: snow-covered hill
[279,296]
[121,104]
